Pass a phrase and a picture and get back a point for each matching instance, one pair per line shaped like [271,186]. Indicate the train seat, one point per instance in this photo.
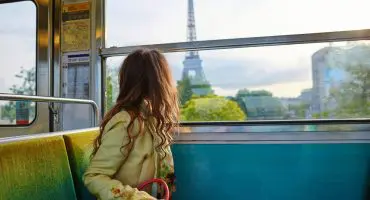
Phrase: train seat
[35,168]
[79,146]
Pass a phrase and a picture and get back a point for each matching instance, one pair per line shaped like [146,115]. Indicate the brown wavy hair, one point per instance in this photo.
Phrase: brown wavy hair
[145,79]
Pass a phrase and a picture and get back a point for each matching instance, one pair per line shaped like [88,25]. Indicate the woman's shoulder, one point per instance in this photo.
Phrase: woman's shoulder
[122,117]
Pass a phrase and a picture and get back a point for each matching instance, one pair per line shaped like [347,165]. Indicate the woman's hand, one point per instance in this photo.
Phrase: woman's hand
[121,194]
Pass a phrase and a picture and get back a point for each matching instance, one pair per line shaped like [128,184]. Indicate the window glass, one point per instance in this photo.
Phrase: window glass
[306,81]
[18,60]
[147,21]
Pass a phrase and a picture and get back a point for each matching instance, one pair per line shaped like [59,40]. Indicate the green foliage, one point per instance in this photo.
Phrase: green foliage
[299,110]
[246,93]
[29,82]
[8,111]
[322,115]
[184,90]
[112,87]
[204,87]
[211,108]
[259,104]
[109,93]
[352,97]
[27,87]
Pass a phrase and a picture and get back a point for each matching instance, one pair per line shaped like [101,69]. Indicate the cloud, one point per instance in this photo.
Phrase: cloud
[292,89]
[232,72]
[229,73]
[224,92]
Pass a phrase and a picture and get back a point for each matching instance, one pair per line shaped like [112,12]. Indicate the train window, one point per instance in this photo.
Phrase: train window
[18,60]
[136,22]
[305,81]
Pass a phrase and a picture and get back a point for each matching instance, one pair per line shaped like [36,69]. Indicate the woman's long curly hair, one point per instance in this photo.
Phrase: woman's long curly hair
[145,79]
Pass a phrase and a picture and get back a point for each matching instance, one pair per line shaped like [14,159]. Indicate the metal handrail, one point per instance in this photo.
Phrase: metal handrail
[336,36]
[15,97]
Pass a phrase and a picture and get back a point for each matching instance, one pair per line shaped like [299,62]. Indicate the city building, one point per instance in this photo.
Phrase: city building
[330,69]
[326,69]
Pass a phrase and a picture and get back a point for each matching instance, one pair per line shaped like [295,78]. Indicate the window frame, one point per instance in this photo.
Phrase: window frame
[276,40]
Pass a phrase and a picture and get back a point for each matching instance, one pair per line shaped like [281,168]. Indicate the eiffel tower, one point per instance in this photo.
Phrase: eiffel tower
[193,69]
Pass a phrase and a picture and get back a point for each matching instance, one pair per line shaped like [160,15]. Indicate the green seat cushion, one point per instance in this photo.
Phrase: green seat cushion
[36,168]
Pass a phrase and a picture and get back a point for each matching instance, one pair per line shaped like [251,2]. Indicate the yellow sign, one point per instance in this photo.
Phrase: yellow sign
[76,35]
[76,27]
[76,7]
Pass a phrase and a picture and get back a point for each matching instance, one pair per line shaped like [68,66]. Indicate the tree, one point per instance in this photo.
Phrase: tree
[8,111]
[29,82]
[352,97]
[259,104]
[27,87]
[205,88]
[212,108]
[239,99]
[185,90]
[109,93]
[299,110]
[112,87]
[245,92]
[321,115]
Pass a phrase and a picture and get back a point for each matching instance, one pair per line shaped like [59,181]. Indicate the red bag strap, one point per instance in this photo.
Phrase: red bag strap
[159,182]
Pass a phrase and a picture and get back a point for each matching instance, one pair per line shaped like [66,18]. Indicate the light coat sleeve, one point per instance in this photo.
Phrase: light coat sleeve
[98,177]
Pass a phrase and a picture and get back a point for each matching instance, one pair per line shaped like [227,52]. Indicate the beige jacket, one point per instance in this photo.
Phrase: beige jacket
[110,176]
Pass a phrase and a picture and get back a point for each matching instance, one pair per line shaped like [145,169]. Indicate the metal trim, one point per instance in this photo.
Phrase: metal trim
[245,42]
[11,97]
[277,142]
[98,41]
[43,68]
[11,1]
[103,67]
[280,122]
[264,137]
[93,77]
[103,84]
[44,135]
[237,138]
[56,65]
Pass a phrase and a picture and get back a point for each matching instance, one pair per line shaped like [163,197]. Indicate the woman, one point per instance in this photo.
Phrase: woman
[135,135]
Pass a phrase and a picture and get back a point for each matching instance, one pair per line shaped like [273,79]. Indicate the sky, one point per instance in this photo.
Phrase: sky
[283,70]
[17,41]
